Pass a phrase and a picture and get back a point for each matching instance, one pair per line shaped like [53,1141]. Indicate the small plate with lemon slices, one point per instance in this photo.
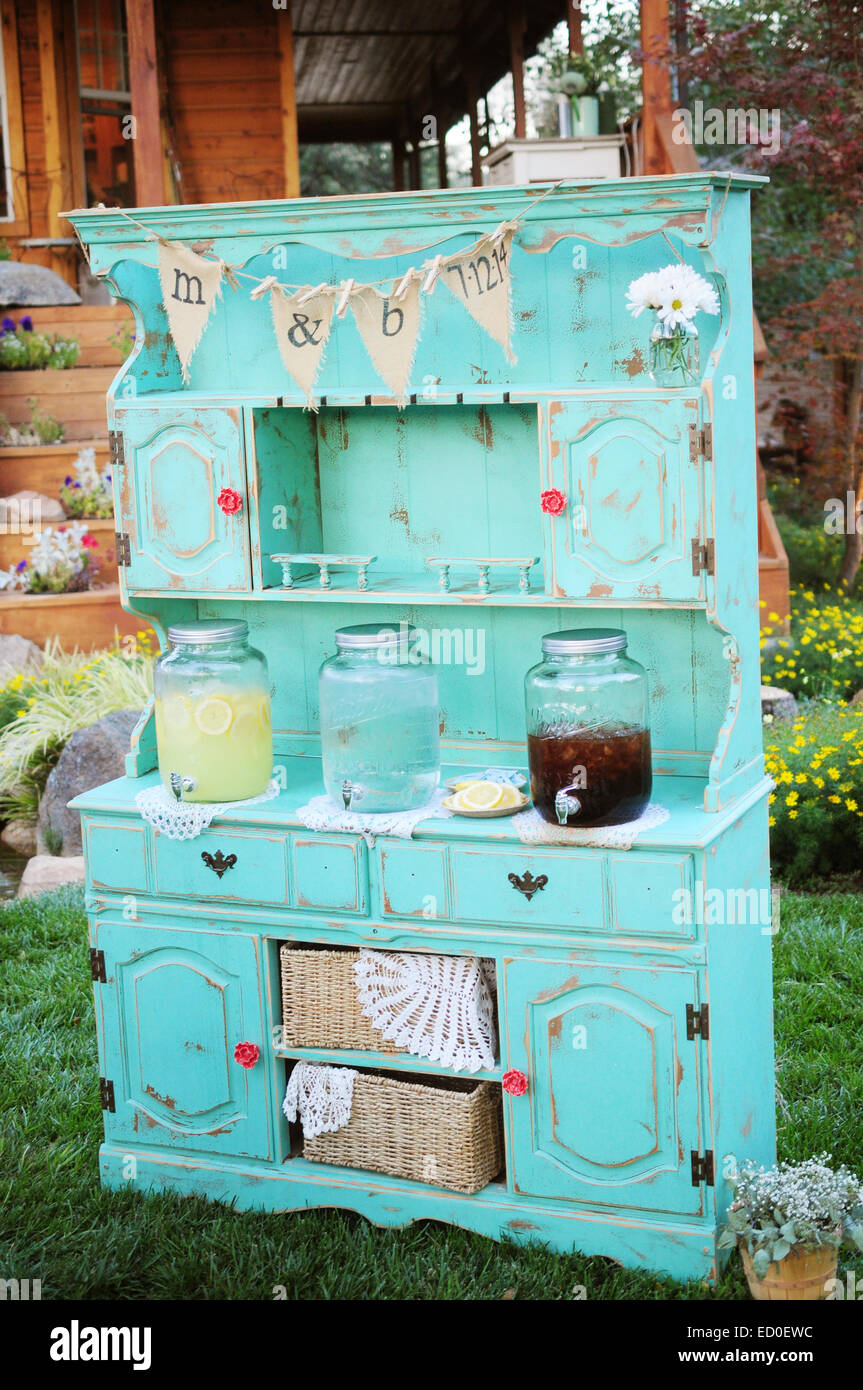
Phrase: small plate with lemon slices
[485,798]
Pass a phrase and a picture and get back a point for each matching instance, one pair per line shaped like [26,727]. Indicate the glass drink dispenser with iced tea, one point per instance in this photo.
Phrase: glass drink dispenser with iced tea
[588,735]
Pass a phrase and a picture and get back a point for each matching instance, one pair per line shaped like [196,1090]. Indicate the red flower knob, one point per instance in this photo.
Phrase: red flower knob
[247,1054]
[514,1083]
[229,501]
[552,501]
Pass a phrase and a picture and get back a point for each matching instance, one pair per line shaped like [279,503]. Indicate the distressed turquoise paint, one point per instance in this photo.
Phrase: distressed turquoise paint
[598,1152]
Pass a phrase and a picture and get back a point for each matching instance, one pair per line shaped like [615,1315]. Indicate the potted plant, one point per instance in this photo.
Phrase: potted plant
[61,562]
[789,1221]
[87,493]
[22,348]
[580,82]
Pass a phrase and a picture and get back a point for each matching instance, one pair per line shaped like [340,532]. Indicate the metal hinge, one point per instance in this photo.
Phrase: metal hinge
[704,556]
[124,548]
[697,1022]
[700,442]
[106,1093]
[97,966]
[702,1168]
[116,448]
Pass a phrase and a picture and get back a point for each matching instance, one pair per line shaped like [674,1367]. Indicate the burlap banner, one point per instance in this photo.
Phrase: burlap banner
[480,277]
[302,322]
[191,284]
[389,327]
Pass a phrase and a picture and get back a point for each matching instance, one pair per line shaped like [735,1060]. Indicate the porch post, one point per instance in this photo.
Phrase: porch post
[517,23]
[146,108]
[655,84]
[290,135]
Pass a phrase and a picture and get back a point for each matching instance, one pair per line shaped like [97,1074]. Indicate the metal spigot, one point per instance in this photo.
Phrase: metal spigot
[181,784]
[566,805]
[347,793]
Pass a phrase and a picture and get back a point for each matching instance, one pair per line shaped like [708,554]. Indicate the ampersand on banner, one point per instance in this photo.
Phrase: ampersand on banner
[302,324]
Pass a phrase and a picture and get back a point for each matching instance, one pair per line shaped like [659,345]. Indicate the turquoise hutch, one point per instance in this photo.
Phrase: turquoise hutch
[663,949]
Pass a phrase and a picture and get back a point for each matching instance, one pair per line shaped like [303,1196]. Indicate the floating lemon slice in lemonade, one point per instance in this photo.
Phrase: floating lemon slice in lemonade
[213,715]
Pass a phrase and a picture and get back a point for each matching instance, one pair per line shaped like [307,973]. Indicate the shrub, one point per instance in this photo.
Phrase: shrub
[39,712]
[822,656]
[816,808]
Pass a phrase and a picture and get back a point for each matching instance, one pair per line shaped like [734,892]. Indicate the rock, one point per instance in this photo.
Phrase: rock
[18,655]
[31,510]
[779,704]
[857,699]
[92,756]
[46,871]
[20,835]
[22,286]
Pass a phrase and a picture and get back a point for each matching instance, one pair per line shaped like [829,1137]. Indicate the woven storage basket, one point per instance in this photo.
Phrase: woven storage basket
[446,1131]
[319,1003]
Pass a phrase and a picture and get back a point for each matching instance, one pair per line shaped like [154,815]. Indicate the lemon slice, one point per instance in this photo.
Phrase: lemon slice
[246,725]
[177,714]
[481,796]
[510,796]
[213,716]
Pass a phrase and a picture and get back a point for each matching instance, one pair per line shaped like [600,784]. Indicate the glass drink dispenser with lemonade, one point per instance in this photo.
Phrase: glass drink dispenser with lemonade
[212,698]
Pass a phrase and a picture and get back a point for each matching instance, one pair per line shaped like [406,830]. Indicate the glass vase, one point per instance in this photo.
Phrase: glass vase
[673,355]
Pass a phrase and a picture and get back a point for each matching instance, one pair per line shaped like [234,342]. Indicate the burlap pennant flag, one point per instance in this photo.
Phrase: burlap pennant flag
[191,284]
[302,322]
[480,277]
[389,327]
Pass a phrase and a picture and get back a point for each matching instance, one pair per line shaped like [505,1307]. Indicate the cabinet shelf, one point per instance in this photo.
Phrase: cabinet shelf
[410,588]
[378,1061]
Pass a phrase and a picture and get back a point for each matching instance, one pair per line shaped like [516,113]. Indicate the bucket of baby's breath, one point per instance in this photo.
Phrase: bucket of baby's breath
[789,1222]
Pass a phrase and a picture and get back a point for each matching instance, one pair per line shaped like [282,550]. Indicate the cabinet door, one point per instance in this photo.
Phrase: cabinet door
[176,464]
[611,1112]
[633,498]
[172,1009]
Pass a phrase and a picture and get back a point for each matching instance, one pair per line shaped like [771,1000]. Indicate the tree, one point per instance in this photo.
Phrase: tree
[805,61]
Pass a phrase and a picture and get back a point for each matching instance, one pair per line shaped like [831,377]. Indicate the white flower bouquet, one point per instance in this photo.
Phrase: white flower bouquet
[675,294]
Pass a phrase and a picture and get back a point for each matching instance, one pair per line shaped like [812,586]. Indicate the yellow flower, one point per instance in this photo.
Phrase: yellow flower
[850,803]
[792,798]
[836,800]
[20,713]
[792,815]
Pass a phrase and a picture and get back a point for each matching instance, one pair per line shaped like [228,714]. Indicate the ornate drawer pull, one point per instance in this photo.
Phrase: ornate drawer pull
[219,862]
[526,883]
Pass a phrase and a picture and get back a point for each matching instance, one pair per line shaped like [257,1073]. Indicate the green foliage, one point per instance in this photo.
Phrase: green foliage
[42,428]
[39,712]
[5,252]
[327,170]
[816,807]
[85,1243]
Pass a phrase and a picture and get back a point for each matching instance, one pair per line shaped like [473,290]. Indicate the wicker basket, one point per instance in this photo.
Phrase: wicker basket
[446,1131]
[319,1003]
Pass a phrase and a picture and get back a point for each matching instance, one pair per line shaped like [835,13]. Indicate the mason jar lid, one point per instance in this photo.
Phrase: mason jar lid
[371,635]
[208,631]
[584,641]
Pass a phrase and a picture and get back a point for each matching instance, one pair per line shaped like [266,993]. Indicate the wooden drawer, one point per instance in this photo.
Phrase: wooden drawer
[571,895]
[331,873]
[116,855]
[414,881]
[258,874]
[652,894]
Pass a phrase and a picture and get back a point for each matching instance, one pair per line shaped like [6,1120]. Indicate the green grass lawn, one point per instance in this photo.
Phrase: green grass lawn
[58,1226]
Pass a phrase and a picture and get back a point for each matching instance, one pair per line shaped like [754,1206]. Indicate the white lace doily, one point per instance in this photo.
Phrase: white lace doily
[184,820]
[322,813]
[533,830]
[321,1096]
[434,1006]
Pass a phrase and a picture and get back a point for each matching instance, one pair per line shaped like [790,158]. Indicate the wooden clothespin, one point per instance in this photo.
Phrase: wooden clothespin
[434,271]
[347,288]
[265,285]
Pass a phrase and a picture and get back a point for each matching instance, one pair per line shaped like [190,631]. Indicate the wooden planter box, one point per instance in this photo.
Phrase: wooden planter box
[95,326]
[87,621]
[43,467]
[15,547]
[75,396]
